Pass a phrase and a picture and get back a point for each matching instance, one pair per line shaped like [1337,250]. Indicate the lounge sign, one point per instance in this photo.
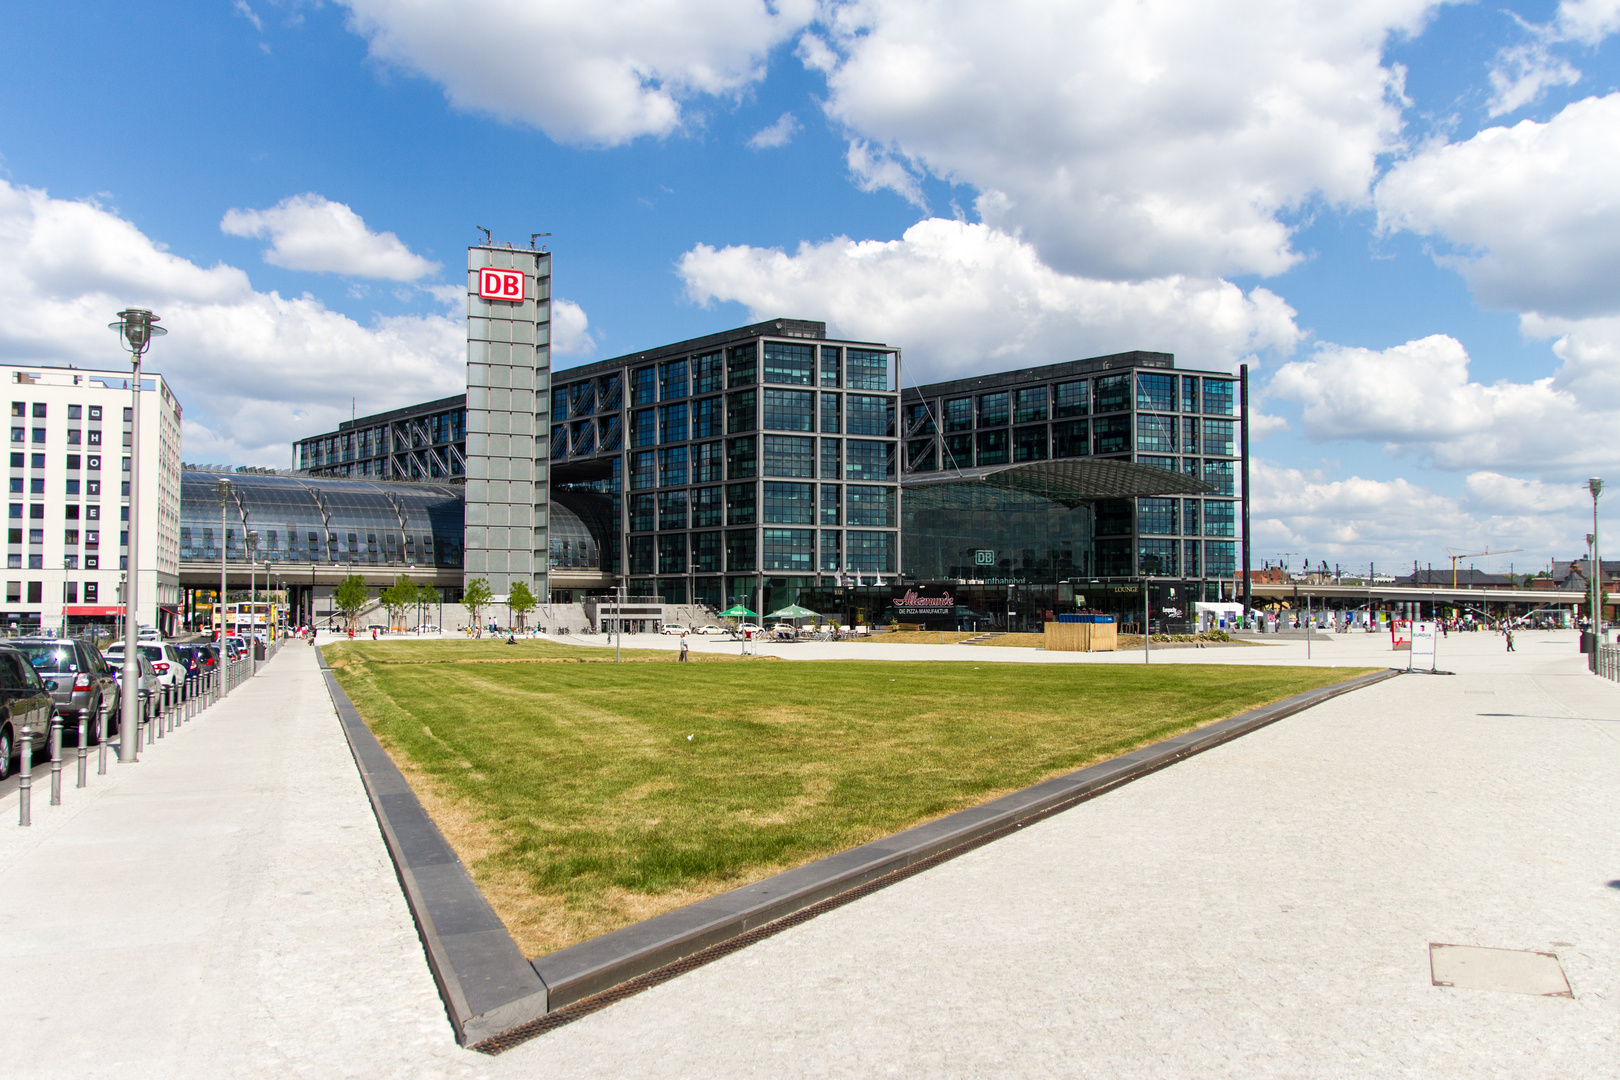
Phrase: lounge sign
[496,284]
[912,603]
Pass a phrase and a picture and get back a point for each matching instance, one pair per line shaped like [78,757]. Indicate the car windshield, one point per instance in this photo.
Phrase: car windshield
[44,657]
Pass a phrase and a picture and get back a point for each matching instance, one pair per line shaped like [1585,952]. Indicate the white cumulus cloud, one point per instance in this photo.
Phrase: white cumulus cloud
[311,232]
[595,72]
[777,134]
[1532,211]
[964,297]
[570,329]
[1123,138]
[252,369]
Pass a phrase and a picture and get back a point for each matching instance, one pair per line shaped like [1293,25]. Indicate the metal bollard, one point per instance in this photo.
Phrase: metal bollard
[103,732]
[25,779]
[157,712]
[84,751]
[145,704]
[54,739]
[171,704]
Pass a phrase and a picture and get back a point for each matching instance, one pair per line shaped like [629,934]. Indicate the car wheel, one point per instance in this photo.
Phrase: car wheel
[92,723]
[5,753]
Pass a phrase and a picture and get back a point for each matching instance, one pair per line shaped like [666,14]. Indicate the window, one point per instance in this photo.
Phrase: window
[868,460]
[791,550]
[706,374]
[871,505]
[1156,393]
[671,510]
[789,410]
[19,408]
[72,487]
[1189,403]
[871,552]
[1029,443]
[643,470]
[95,412]
[581,400]
[584,437]
[789,504]
[959,414]
[642,509]
[1217,435]
[1190,517]
[831,558]
[39,410]
[643,386]
[829,366]
[1218,396]
[1220,476]
[90,592]
[830,413]
[1157,557]
[1156,517]
[1220,558]
[958,453]
[39,435]
[993,409]
[1111,435]
[1113,394]
[1157,461]
[643,431]
[672,381]
[70,537]
[14,536]
[1113,518]
[706,552]
[830,505]
[789,455]
[866,369]
[672,554]
[16,485]
[830,450]
[36,592]
[740,412]
[786,363]
[1189,435]
[36,536]
[93,438]
[93,462]
[739,504]
[559,404]
[672,423]
[672,466]
[73,436]
[13,592]
[1029,405]
[559,442]
[16,510]
[707,463]
[741,460]
[16,461]
[642,551]
[706,508]
[129,414]
[1156,434]
[921,456]
[992,447]
[706,418]
[19,434]
[919,418]
[869,415]
[740,550]
[1220,518]
[36,461]
[742,366]
[1189,556]
[1069,439]
[1069,399]
[36,511]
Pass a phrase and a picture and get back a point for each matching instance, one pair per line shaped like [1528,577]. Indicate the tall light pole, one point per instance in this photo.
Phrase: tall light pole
[1595,485]
[136,327]
[222,488]
[252,538]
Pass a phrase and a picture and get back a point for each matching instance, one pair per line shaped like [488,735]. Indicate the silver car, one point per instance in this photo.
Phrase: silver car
[85,684]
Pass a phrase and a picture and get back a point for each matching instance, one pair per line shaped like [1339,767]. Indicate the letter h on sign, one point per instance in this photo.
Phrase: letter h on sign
[500,284]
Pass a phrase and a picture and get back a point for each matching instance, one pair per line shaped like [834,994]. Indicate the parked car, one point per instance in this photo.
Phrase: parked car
[146,688]
[166,662]
[85,684]
[25,701]
[672,628]
[427,628]
[711,629]
[198,658]
[750,628]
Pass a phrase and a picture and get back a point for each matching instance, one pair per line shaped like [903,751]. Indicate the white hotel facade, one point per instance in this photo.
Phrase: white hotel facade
[67,521]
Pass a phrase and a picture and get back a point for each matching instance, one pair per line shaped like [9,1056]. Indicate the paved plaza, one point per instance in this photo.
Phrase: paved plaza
[226,908]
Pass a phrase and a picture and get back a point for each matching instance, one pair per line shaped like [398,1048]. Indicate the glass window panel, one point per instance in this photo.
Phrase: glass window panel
[870,552]
[919,418]
[959,414]
[1029,443]
[866,369]
[1190,516]
[993,408]
[791,550]
[992,447]
[1220,558]
[1070,439]
[1113,394]
[1029,404]
[740,507]
[643,427]
[957,452]
[740,411]
[1220,518]
[1189,393]
[1217,434]
[672,423]
[830,413]
[1070,399]
[742,366]
[870,505]
[672,555]
[789,455]
[1156,393]
[831,550]
[706,373]
[706,508]
[1157,517]
[672,466]
[559,404]
[867,414]
[1189,435]
[1218,396]
[707,463]
[830,505]
[740,550]
[741,458]
[922,455]
[789,363]
[706,553]
[706,418]
[643,470]
[672,382]
[644,386]
[671,510]
[1158,558]
[1155,434]
[869,460]
[1221,476]
[643,509]
[829,365]
[830,452]
[1111,435]
[789,410]
[789,504]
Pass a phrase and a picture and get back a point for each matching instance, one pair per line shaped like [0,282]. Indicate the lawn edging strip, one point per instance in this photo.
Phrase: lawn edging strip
[487,984]
[474,960]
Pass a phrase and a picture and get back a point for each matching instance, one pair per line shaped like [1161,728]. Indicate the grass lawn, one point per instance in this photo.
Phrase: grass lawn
[585,795]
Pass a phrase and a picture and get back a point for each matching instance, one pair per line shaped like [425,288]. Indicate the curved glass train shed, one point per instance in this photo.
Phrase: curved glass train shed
[319,522]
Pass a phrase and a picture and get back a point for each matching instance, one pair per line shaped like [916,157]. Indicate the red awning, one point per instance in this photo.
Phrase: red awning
[73,609]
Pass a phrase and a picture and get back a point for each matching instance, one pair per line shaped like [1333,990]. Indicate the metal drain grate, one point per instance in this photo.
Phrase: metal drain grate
[1513,971]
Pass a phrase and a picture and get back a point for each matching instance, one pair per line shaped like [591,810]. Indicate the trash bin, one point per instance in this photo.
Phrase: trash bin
[258,650]
[1587,639]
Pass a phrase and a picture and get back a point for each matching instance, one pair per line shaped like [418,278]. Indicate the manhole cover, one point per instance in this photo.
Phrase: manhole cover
[1515,971]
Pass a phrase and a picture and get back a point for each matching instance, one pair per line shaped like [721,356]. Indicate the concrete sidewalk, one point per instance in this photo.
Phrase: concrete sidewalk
[226,908]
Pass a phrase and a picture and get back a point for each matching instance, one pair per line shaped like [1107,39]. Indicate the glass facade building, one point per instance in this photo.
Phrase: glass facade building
[420,442]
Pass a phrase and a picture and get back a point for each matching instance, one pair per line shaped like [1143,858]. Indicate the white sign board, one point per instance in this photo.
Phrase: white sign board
[1423,635]
[496,284]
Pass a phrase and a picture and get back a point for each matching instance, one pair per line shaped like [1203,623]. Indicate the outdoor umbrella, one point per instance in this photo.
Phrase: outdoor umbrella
[737,611]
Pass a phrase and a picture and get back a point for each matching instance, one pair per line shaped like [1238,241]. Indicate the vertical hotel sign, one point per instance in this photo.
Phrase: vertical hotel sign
[496,284]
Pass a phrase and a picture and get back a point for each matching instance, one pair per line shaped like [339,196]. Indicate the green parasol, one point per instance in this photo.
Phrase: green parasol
[737,611]
[794,611]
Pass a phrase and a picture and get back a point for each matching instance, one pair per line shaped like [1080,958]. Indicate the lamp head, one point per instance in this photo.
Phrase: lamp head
[137,327]
[1595,485]
[222,488]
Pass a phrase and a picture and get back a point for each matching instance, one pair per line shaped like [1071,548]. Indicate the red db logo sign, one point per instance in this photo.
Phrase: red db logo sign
[500,284]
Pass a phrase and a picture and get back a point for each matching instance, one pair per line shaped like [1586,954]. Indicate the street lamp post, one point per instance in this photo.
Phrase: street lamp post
[1595,486]
[136,327]
[222,488]
[252,538]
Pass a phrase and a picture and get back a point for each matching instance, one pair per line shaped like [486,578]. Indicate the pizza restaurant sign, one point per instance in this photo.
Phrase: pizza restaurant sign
[913,604]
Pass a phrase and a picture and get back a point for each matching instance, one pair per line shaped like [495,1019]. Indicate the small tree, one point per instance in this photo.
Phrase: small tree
[520,601]
[398,598]
[475,598]
[350,597]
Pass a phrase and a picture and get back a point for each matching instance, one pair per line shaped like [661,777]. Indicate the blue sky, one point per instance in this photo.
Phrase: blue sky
[1401,216]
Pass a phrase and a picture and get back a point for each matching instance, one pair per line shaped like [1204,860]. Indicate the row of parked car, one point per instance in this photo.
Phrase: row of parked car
[69,678]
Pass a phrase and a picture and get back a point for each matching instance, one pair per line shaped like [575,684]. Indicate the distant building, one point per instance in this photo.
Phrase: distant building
[1466,578]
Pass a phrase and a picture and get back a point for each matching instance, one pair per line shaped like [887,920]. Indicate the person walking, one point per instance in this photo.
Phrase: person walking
[1509,635]
[683,647]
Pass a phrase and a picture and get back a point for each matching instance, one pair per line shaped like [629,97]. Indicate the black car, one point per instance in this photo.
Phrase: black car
[25,702]
[199,658]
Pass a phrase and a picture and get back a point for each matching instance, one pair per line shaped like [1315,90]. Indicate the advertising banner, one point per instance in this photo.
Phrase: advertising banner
[1423,635]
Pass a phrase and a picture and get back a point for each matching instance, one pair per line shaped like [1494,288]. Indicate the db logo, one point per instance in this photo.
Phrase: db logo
[500,284]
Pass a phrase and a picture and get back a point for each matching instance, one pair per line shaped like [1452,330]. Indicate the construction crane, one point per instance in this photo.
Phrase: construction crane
[1455,555]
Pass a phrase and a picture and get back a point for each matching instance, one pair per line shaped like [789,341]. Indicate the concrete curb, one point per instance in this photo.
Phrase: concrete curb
[604,962]
[496,998]
[488,986]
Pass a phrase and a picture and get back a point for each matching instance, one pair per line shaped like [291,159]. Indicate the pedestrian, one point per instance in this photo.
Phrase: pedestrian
[1509,635]
[373,633]
[683,648]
